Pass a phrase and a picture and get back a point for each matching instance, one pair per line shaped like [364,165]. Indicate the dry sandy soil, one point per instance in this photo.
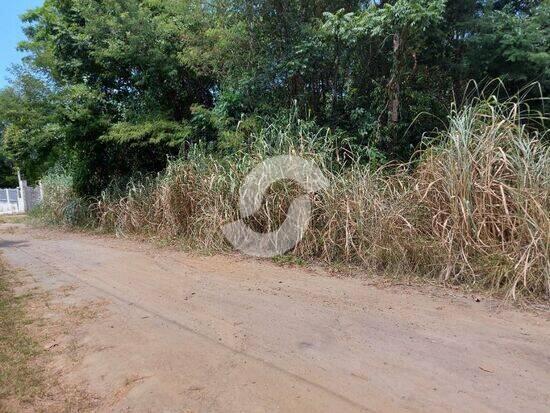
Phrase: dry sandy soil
[171,332]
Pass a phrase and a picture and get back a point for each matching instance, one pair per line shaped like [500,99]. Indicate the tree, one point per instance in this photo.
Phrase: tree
[30,133]
[114,88]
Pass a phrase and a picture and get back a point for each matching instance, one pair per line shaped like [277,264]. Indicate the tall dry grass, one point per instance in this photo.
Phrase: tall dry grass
[473,209]
[486,188]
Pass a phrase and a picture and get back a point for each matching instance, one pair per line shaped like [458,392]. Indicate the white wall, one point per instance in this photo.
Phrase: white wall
[19,200]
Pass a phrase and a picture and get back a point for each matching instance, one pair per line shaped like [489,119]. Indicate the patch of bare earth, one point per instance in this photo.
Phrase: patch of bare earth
[129,327]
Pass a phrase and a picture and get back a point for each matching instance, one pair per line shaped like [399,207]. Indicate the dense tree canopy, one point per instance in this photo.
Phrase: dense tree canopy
[112,88]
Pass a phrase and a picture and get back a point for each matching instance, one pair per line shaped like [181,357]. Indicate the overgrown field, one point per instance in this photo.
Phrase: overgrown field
[471,207]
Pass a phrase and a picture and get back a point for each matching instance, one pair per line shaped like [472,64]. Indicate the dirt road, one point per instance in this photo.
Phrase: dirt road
[177,333]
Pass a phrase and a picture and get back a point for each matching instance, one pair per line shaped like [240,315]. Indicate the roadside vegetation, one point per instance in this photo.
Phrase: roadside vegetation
[20,374]
[472,208]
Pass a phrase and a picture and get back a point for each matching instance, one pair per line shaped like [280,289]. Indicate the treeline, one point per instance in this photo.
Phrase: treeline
[115,88]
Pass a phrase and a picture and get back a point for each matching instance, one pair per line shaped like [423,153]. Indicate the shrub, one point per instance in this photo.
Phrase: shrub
[61,206]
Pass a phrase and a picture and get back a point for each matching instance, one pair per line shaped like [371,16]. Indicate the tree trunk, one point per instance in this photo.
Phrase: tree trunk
[395,87]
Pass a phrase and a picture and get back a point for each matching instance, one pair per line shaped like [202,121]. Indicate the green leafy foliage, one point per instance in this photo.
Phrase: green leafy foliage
[113,89]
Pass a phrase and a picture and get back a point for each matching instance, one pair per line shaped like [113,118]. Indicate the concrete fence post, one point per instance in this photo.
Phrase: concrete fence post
[23,207]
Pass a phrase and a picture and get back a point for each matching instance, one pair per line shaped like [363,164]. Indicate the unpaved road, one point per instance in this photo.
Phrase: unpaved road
[177,333]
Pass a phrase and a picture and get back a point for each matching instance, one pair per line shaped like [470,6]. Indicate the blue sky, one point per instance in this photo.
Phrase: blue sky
[11,34]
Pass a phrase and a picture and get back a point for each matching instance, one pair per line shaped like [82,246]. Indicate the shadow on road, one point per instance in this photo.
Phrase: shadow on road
[12,244]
